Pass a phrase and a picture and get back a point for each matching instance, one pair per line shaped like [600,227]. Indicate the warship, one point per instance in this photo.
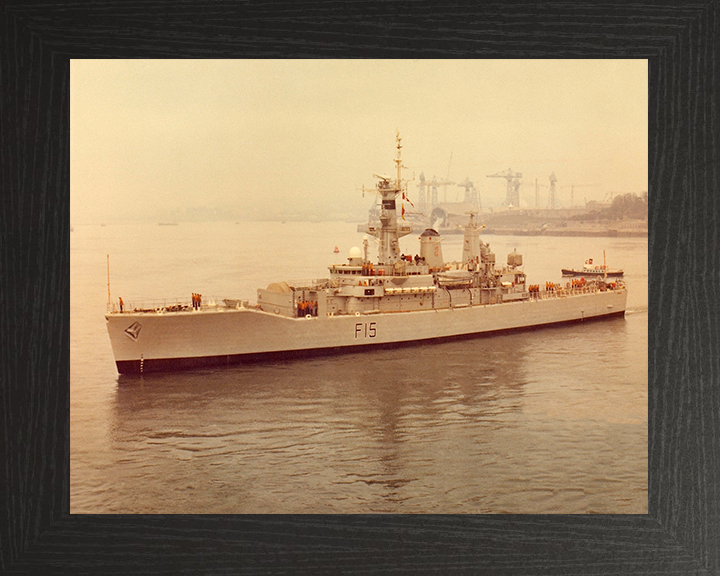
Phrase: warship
[392,301]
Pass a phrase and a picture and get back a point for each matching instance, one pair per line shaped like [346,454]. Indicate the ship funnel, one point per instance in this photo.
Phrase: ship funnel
[431,250]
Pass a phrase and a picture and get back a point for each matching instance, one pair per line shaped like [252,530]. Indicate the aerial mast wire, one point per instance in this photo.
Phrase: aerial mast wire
[108,282]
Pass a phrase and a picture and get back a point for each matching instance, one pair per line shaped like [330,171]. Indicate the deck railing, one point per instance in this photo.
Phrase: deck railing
[184,303]
[563,292]
[303,284]
[163,304]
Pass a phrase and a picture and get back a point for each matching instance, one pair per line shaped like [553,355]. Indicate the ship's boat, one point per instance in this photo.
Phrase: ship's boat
[396,300]
[590,270]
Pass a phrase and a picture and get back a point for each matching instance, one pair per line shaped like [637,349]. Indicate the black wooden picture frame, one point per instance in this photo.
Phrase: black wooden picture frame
[680,534]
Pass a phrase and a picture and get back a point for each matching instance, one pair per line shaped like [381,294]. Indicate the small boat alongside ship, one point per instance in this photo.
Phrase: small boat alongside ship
[395,300]
[590,270]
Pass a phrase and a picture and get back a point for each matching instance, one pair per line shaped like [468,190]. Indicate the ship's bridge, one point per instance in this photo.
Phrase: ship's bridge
[346,269]
[403,229]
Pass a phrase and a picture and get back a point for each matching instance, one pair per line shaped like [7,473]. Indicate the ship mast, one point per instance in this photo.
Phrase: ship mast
[390,231]
[604,267]
[398,161]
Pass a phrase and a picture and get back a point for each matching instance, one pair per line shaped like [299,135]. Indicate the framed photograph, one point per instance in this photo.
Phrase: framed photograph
[199,168]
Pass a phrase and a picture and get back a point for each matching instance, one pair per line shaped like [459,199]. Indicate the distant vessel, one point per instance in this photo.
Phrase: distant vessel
[396,300]
[591,270]
[337,250]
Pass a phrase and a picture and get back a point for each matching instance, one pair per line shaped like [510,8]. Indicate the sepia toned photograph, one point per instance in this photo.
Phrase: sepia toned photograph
[359,286]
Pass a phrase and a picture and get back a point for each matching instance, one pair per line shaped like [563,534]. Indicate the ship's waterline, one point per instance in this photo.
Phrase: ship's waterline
[212,338]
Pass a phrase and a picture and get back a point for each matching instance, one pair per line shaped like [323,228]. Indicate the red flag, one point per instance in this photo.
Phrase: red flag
[407,199]
[402,213]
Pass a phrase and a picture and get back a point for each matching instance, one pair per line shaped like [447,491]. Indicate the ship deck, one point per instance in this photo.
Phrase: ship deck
[215,306]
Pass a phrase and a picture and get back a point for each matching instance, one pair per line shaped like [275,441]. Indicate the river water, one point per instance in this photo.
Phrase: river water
[552,420]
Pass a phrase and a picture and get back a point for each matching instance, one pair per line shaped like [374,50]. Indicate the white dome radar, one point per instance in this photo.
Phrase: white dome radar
[355,256]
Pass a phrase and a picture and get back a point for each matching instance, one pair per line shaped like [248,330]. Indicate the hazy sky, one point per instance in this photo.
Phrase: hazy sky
[150,138]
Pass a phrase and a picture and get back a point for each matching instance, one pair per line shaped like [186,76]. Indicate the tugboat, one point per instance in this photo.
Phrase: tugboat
[590,270]
[396,300]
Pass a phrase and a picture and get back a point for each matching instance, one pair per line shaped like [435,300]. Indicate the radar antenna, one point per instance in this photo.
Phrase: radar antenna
[390,229]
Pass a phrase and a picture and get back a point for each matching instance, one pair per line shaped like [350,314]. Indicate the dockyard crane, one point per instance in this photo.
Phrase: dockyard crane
[422,193]
[433,186]
[471,193]
[513,186]
[433,190]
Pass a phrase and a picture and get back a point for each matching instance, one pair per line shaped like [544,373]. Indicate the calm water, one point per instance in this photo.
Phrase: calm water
[547,421]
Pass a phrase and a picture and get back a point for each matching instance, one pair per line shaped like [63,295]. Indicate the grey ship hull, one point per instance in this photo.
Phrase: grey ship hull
[152,342]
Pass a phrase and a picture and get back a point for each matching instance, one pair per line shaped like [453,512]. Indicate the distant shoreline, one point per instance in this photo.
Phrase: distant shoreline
[628,233]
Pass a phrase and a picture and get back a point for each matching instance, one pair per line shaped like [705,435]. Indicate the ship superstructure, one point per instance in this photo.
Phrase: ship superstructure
[397,299]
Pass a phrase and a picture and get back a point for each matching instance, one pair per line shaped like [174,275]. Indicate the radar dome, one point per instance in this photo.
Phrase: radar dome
[355,252]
